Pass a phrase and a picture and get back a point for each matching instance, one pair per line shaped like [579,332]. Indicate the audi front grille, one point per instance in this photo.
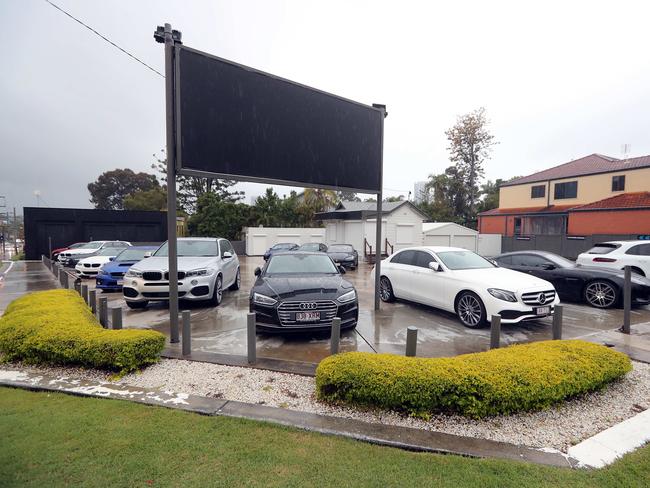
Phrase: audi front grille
[533,298]
[287,312]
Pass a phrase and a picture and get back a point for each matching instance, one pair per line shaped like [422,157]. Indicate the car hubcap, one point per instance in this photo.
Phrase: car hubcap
[600,294]
[384,289]
[469,310]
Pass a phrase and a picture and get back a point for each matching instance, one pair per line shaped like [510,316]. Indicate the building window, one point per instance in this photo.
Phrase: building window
[538,191]
[618,183]
[517,226]
[566,190]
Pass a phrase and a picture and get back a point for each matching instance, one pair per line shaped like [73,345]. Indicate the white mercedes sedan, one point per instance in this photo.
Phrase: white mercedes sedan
[461,281]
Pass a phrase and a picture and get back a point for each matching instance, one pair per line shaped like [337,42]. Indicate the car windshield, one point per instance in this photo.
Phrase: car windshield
[284,245]
[91,245]
[340,248]
[109,251]
[77,245]
[603,248]
[463,260]
[131,255]
[561,262]
[300,264]
[312,246]
[195,248]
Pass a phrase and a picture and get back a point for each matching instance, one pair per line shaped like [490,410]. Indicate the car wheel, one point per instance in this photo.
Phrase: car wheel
[386,290]
[217,293]
[237,283]
[601,294]
[137,305]
[470,310]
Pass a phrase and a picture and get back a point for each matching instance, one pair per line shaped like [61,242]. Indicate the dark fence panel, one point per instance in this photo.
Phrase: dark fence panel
[239,247]
[567,246]
[68,225]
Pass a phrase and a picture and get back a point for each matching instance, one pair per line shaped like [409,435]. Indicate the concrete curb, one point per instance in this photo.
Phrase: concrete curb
[386,435]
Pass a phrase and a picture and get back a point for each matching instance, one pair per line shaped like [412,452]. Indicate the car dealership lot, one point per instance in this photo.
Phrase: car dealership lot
[223,329]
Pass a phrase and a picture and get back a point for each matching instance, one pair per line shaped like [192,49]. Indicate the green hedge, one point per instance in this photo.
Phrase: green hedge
[57,327]
[501,381]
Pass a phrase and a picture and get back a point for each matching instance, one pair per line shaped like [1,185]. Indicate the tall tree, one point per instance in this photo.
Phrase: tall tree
[112,187]
[320,200]
[154,199]
[348,196]
[190,188]
[470,143]
[217,217]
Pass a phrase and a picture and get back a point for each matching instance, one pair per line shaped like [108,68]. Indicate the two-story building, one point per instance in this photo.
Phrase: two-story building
[595,194]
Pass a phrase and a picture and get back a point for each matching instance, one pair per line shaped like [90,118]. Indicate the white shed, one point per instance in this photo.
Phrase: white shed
[449,234]
[355,222]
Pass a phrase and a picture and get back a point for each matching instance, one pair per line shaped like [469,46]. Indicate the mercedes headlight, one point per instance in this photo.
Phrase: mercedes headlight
[347,297]
[505,295]
[263,299]
[134,273]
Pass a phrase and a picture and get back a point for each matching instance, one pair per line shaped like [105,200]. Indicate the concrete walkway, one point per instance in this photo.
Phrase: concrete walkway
[387,435]
[22,277]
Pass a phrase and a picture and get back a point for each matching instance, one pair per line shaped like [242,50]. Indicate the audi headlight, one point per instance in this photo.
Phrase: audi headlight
[134,273]
[349,258]
[347,297]
[505,295]
[263,299]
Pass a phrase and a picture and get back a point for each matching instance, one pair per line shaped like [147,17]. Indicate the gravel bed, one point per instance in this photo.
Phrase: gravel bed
[558,427]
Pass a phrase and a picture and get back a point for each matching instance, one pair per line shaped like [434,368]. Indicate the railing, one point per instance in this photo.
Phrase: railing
[367,248]
[386,246]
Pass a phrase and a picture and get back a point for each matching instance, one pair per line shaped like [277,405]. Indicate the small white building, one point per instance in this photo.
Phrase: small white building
[449,234]
[354,223]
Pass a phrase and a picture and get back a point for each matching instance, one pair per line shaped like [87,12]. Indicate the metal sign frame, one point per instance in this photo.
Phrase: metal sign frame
[172,41]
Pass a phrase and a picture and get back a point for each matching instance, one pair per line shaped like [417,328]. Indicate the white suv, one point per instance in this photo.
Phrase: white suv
[618,254]
[206,265]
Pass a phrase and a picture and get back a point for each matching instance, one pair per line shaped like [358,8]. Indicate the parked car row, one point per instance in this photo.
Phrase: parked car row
[343,254]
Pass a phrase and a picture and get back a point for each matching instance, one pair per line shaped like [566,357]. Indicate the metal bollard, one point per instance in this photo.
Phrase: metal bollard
[66,280]
[84,293]
[627,300]
[335,338]
[116,318]
[77,286]
[411,340]
[495,332]
[250,330]
[103,312]
[187,333]
[557,322]
[92,301]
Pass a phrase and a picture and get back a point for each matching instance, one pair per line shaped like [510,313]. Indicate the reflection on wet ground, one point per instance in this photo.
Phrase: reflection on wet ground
[223,329]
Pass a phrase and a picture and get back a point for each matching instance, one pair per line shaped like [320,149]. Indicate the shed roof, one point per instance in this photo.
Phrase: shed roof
[439,228]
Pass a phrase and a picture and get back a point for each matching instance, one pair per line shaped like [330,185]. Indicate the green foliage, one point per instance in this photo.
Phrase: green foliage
[18,257]
[154,199]
[217,217]
[501,381]
[57,327]
[112,187]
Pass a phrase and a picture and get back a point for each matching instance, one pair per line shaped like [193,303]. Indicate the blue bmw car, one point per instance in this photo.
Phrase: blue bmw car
[111,274]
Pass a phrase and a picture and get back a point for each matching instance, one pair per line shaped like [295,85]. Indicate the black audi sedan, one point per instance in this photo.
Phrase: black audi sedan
[280,247]
[344,254]
[599,287]
[302,291]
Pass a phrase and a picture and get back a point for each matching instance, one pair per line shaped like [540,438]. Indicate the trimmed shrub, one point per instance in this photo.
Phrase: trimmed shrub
[501,381]
[57,327]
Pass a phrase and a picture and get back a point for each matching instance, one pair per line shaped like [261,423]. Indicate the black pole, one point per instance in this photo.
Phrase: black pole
[627,299]
[379,209]
[170,96]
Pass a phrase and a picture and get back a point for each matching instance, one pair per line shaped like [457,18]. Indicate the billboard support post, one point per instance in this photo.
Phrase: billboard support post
[378,219]
[172,250]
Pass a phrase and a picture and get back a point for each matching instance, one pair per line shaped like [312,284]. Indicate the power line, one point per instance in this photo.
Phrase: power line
[105,38]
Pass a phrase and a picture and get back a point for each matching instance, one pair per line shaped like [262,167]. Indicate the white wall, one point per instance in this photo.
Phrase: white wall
[259,239]
[403,228]
[489,244]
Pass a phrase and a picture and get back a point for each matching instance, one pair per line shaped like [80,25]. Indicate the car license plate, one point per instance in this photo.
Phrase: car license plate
[120,282]
[543,310]
[307,316]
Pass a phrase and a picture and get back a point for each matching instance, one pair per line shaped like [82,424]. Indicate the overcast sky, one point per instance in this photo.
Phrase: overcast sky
[559,80]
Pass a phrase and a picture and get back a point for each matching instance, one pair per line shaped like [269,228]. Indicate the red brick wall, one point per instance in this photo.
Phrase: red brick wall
[609,222]
[493,224]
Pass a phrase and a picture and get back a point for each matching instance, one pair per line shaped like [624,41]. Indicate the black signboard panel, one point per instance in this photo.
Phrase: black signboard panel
[253,126]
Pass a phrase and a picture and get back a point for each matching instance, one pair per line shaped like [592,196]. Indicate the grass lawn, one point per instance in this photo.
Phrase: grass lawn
[60,440]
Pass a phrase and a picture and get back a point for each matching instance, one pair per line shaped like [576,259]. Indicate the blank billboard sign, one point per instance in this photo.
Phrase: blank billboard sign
[235,121]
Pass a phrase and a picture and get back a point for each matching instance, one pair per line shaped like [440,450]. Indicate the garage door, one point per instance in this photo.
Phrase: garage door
[354,235]
[433,240]
[466,242]
[259,244]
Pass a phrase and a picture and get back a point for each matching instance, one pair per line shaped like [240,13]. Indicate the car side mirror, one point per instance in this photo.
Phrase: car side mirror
[494,262]
[258,271]
[111,258]
[147,254]
[435,266]
[226,255]
[548,266]
[341,269]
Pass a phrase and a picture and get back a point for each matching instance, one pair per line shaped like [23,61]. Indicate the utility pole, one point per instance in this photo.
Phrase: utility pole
[16,228]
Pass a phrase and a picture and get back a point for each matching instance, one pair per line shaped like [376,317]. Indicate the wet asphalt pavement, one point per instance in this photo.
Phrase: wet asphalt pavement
[223,329]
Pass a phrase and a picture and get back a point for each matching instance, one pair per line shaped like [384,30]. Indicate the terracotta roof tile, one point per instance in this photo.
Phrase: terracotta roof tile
[639,199]
[594,163]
